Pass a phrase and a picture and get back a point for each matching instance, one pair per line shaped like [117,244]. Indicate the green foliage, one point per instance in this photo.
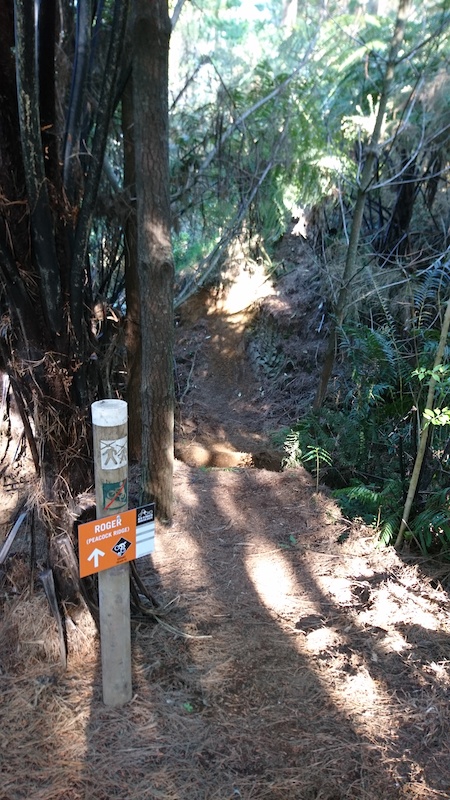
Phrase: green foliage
[222,155]
[293,448]
[317,456]
[437,416]
[426,290]
[353,447]
[307,141]
[189,249]
[312,457]
[430,529]
[380,507]
[345,438]
[250,131]
[366,446]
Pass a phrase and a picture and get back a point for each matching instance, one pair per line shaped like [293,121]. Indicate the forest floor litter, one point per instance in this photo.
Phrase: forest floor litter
[296,661]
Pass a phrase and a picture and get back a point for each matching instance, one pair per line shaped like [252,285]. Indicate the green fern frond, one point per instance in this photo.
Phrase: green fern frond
[431,520]
[389,528]
[374,352]
[376,393]
[438,501]
[377,507]
[319,454]
[431,530]
[365,495]
[293,448]
[391,490]
[358,501]
[428,290]
[390,321]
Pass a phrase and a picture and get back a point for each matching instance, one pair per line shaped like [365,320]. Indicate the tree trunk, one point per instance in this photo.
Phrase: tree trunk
[133,324]
[151,35]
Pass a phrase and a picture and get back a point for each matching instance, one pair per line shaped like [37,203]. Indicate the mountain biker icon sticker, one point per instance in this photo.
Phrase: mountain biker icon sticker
[121,547]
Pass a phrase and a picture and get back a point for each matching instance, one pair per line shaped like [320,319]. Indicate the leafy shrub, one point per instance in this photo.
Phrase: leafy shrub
[430,529]
[365,448]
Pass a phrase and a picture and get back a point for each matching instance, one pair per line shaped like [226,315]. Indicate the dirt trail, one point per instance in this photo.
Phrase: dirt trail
[221,418]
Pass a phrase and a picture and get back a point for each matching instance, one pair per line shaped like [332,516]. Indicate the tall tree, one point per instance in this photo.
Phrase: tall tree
[151,36]
[133,325]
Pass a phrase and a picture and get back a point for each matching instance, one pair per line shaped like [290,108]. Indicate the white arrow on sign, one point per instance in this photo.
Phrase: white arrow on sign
[96,555]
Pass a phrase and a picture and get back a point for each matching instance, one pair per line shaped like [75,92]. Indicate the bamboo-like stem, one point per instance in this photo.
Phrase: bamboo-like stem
[424,433]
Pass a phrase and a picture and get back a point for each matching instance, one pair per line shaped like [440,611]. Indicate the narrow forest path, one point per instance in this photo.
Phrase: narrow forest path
[248,360]
[221,419]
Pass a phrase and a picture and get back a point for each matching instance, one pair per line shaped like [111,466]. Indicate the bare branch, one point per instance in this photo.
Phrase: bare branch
[176,12]
[209,265]
[240,120]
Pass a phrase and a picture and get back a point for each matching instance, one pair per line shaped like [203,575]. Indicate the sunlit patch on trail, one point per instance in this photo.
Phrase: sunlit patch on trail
[272,576]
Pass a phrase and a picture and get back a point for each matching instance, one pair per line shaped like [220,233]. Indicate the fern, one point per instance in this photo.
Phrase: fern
[293,450]
[317,456]
[364,497]
[378,507]
[428,292]
[388,528]
[431,527]
[375,353]
[374,432]
[431,530]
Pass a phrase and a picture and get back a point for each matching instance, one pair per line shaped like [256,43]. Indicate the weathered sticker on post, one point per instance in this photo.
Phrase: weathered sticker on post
[115,496]
[113,454]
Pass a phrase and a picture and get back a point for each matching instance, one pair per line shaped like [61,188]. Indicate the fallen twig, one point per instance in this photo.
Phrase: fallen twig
[7,544]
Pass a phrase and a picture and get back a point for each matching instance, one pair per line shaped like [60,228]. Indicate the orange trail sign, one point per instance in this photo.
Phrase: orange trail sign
[110,541]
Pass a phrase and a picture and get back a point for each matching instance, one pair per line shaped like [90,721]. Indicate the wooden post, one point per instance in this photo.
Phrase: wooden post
[109,419]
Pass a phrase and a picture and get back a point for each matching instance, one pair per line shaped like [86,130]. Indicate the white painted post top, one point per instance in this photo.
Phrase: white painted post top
[109,413]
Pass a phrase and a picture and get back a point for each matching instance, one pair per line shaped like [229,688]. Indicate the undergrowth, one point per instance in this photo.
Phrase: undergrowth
[364,446]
